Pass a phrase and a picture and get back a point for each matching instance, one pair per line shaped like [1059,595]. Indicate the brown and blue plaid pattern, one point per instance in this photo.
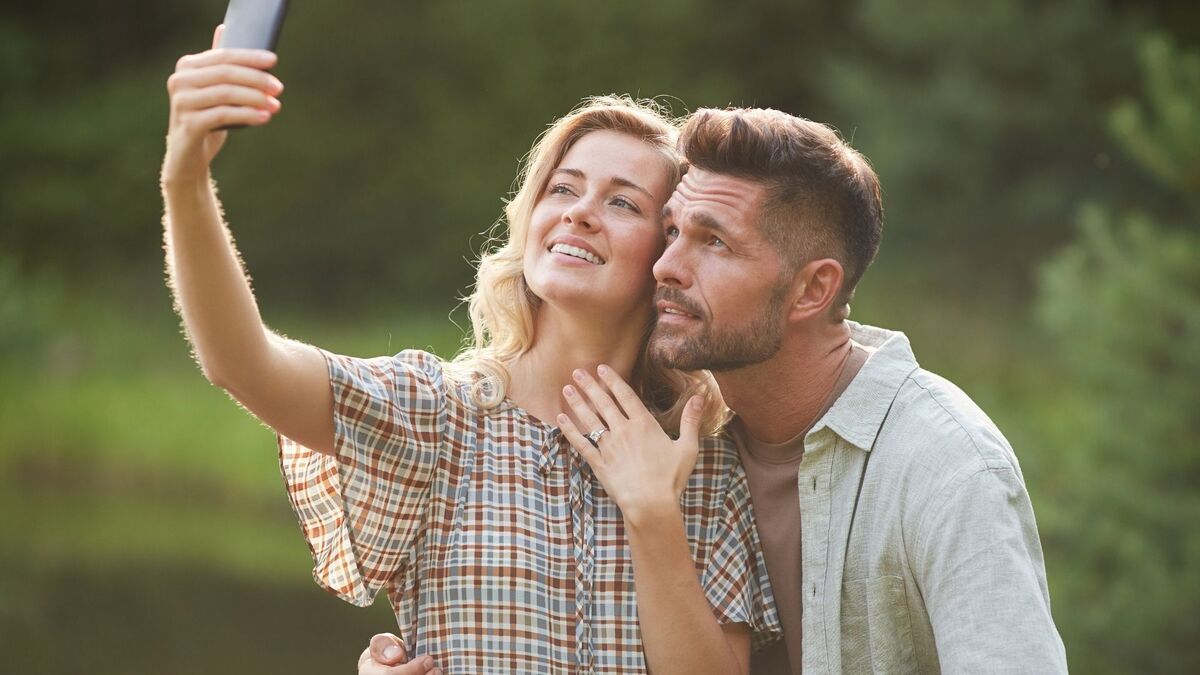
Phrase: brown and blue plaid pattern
[499,550]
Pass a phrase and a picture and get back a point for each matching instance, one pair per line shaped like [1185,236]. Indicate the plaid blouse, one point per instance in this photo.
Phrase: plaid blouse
[498,548]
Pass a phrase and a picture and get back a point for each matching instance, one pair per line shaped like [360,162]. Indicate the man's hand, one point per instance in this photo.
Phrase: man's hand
[643,470]
[387,656]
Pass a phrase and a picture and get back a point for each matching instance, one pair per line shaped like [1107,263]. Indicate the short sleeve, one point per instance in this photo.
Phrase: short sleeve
[735,578]
[361,509]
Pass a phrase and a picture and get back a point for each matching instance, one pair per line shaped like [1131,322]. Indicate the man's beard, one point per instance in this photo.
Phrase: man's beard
[718,348]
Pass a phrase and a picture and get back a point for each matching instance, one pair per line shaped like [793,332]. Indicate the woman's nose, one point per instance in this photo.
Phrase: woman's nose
[582,213]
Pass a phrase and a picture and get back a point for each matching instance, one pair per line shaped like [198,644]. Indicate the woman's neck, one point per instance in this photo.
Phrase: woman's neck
[564,343]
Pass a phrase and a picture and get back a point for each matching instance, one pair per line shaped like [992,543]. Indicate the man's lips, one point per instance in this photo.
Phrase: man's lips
[673,305]
[667,309]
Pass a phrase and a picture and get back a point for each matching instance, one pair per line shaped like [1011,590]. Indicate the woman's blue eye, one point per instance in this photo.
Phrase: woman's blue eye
[625,204]
[560,189]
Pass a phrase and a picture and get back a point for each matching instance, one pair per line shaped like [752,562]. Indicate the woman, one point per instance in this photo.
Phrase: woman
[440,482]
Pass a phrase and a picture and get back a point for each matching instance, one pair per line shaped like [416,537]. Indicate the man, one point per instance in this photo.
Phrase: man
[894,519]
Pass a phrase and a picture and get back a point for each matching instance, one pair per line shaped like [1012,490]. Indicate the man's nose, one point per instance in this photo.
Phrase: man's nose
[671,269]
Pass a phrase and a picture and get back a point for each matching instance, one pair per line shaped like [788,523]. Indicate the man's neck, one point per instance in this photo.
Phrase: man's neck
[779,398]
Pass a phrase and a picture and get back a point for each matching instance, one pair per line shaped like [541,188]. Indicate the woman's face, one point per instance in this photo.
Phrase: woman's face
[596,229]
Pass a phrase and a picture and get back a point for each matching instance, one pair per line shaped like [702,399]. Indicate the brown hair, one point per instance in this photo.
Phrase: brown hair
[823,198]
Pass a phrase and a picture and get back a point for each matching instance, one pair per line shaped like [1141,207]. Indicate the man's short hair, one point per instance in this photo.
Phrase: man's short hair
[823,198]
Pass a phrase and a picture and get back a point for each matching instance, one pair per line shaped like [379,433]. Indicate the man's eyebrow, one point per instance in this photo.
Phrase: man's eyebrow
[616,180]
[703,220]
[708,222]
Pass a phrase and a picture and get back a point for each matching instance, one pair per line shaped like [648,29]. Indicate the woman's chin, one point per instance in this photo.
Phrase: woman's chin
[592,303]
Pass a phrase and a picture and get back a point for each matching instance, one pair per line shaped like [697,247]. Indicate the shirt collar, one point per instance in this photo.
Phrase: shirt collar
[858,413]
[548,440]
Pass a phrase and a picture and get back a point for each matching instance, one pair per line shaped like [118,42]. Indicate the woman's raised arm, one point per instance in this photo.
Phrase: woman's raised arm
[283,382]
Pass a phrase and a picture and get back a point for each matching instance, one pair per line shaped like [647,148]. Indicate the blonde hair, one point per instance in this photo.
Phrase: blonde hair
[501,306]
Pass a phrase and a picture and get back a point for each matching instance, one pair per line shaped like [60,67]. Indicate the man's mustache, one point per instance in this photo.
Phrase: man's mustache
[676,297]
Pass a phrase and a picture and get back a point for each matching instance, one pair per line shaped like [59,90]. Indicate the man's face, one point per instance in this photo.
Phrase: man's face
[721,299]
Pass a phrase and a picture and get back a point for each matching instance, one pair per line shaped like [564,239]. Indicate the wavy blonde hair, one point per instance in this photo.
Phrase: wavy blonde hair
[503,309]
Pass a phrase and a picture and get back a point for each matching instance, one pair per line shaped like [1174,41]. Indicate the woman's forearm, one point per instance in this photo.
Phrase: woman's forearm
[679,631]
[209,285]
[283,382]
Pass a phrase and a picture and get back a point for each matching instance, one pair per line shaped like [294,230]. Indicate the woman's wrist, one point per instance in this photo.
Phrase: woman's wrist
[648,513]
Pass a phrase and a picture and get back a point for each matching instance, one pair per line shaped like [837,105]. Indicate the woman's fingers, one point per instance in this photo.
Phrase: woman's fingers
[211,119]
[224,95]
[253,58]
[600,397]
[590,453]
[689,423]
[626,397]
[582,410]
[224,73]
[217,33]
[221,95]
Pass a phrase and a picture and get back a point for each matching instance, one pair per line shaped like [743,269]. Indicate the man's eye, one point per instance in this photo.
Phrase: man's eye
[672,232]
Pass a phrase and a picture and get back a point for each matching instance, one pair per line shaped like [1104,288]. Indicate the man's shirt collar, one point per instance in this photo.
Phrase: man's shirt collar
[858,414]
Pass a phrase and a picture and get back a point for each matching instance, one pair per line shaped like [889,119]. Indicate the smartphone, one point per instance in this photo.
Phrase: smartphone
[253,24]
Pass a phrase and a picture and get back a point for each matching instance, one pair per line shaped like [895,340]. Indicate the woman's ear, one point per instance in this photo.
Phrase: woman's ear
[815,288]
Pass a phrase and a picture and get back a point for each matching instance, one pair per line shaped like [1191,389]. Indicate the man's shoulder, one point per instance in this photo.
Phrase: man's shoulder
[937,434]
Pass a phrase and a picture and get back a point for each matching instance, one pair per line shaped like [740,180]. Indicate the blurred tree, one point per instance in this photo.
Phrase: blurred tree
[980,119]
[1123,304]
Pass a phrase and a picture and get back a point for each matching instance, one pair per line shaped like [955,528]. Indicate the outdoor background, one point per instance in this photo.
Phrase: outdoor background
[1041,171]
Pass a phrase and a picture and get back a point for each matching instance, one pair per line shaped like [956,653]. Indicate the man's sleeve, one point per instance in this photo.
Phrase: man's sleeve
[979,565]
[361,509]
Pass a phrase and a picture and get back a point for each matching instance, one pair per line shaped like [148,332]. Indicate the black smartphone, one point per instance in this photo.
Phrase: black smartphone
[253,24]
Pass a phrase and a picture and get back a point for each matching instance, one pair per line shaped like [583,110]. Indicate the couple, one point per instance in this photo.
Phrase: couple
[522,505]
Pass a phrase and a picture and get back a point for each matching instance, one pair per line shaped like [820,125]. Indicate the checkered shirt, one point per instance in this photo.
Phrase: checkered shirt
[499,549]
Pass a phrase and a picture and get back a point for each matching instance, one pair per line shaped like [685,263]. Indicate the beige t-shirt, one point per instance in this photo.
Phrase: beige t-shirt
[771,469]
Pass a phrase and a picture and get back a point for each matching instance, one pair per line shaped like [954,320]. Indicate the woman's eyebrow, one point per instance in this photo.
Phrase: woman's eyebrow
[616,180]
[625,182]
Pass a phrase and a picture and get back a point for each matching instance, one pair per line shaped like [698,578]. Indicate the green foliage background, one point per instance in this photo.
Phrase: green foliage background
[1041,169]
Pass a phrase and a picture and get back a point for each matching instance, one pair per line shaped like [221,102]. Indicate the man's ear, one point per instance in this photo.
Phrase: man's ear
[815,288]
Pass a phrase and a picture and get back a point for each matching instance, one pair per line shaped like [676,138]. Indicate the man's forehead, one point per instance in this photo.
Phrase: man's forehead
[716,190]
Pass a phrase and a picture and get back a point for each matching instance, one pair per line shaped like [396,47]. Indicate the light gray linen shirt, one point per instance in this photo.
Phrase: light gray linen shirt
[920,550]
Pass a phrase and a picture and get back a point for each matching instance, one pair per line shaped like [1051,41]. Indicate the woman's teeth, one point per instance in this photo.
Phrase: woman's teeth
[576,252]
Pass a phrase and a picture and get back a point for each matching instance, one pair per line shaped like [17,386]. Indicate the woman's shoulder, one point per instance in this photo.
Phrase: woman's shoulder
[412,379]
[718,473]
[718,451]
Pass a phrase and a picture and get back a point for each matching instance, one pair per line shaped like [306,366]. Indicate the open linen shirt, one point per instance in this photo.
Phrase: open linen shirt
[499,549]
[920,553]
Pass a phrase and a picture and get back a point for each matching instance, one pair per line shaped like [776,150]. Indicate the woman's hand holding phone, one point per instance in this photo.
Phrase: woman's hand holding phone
[210,92]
